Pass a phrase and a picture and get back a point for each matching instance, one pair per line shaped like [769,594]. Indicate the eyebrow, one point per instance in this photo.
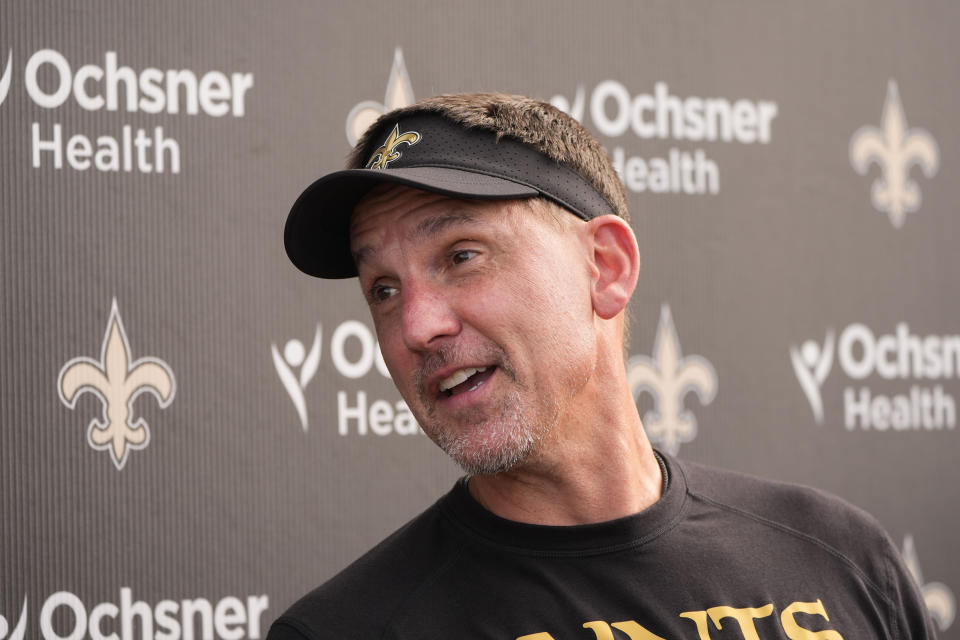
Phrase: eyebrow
[425,228]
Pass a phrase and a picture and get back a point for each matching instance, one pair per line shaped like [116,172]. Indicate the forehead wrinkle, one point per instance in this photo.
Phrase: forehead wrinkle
[435,224]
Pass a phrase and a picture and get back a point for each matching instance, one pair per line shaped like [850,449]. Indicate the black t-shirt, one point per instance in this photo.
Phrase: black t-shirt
[720,555]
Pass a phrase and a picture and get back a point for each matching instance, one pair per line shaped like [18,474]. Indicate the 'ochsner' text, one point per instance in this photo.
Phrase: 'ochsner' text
[51,83]
[662,115]
[898,356]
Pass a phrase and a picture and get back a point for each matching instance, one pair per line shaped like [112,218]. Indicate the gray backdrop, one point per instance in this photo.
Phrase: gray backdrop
[793,183]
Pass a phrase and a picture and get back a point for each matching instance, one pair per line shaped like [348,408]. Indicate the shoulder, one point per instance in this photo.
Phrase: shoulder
[803,513]
[361,600]
[819,520]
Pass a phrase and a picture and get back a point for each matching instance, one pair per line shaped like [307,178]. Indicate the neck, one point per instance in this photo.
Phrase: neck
[596,465]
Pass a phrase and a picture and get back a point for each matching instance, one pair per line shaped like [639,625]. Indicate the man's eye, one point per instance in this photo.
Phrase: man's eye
[381,292]
[461,256]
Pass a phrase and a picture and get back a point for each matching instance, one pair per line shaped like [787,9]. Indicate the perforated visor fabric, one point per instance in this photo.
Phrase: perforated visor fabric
[440,157]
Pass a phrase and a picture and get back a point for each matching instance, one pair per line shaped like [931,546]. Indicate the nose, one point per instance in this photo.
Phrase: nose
[428,316]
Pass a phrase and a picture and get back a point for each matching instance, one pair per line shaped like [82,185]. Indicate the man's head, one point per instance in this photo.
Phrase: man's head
[476,146]
[499,317]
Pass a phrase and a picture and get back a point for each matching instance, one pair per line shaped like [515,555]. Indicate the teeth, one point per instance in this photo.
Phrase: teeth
[459,377]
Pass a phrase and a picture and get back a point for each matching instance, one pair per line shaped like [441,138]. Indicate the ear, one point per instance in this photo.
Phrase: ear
[615,263]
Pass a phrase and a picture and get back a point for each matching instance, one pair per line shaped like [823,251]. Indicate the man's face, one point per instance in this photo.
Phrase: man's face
[484,317]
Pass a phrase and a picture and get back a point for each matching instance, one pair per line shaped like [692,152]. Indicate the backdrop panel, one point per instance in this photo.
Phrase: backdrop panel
[195,434]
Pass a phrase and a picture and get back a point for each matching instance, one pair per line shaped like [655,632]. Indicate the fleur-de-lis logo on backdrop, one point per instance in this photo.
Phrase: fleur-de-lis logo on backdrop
[812,364]
[294,355]
[20,630]
[117,382]
[399,94]
[5,83]
[937,596]
[895,149]
[668,377]
[387,152]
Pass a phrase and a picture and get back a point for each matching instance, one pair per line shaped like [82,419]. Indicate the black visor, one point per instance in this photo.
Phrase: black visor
[429,152]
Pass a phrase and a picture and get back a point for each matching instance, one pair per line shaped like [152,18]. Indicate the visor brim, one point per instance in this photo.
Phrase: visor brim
[317,231]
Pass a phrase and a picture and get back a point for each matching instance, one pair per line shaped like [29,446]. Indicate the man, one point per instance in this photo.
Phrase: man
[491,239]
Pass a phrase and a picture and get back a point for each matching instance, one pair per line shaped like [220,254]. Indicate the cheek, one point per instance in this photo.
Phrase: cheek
[551,311]
[560,289]
[566,329]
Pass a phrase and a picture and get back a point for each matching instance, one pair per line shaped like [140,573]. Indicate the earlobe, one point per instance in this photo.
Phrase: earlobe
[615,264]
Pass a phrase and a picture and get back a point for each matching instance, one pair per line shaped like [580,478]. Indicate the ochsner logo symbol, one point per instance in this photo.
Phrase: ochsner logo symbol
[5,82]
[812,363]
[895,149]
[668,377]
[116,382]
[295,356]
[19,630]
[900,355]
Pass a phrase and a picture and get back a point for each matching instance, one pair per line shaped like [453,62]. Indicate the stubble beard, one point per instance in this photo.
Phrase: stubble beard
[491,445]
[500,439]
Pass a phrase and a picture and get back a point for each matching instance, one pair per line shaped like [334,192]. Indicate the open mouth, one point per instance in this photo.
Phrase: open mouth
[464,380]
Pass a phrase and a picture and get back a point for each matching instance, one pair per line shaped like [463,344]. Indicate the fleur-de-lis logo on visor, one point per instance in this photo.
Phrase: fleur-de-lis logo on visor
[668,377]
[387,152]
[117,382]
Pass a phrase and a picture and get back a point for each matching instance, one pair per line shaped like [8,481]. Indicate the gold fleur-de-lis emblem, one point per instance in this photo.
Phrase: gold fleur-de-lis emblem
[117,382]
[895,149]
[399,94]
[387,152]
[668,377]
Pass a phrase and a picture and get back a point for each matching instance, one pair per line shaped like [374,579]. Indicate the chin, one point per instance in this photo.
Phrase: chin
[490,448]
[487,462]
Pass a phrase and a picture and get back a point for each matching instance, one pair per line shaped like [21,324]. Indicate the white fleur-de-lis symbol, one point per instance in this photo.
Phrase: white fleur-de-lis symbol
[294,355]
[5,79]
[117,382]
[20,630]
[895,149]
[668,377]
[937,596]
[399,94]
